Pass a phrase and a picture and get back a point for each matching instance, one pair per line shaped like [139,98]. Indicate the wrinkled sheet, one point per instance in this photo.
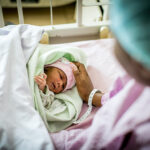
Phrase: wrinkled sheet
[20,125]
[107,126]
[99,57]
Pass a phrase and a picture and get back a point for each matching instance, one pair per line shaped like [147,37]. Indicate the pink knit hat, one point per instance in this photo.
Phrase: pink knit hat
[66,66]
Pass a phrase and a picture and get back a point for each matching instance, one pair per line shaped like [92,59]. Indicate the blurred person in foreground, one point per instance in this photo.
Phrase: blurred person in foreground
[124,121]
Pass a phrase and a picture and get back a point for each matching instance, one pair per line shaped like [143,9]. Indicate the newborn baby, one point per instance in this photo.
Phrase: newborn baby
[57,77]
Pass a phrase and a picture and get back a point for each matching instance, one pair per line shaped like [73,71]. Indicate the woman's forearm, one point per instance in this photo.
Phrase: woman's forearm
[97,99]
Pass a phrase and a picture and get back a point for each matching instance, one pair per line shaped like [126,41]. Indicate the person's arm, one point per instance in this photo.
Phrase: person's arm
[84,85]
[97,99]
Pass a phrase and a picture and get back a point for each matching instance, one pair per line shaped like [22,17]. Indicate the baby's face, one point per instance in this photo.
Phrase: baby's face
[56,80]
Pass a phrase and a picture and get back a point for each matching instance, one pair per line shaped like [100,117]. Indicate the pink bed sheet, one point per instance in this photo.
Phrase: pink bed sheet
[102,68]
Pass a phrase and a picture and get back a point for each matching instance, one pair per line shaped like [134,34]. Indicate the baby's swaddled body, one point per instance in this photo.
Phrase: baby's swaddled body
[58,77]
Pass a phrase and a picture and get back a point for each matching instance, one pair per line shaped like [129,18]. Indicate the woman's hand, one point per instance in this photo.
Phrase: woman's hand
[41,81]
[83,81]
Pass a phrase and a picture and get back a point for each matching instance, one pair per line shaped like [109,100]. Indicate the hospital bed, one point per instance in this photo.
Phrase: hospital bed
[99,57]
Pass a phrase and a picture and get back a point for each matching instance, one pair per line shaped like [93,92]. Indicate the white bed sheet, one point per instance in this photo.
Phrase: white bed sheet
[21,127]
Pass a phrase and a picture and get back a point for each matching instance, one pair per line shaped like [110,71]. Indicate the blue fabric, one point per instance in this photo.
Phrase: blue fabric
[131,25]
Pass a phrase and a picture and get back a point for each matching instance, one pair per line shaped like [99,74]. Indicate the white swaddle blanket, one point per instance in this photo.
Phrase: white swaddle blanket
[66,107]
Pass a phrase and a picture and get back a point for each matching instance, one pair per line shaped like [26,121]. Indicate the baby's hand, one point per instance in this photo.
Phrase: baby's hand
[41,81]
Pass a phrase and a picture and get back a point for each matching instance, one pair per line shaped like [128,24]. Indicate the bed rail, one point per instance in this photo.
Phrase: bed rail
[20,12]
[78,29]
[1,16]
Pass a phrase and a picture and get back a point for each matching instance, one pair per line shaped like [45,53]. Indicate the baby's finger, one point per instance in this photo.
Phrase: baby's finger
[40,80]
[45,76]
[37,82]
[36,79]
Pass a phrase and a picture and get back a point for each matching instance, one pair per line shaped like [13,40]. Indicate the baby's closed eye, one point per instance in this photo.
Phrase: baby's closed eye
[63,80]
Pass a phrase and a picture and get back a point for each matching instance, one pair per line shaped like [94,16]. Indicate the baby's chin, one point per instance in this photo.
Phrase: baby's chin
[55,91]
